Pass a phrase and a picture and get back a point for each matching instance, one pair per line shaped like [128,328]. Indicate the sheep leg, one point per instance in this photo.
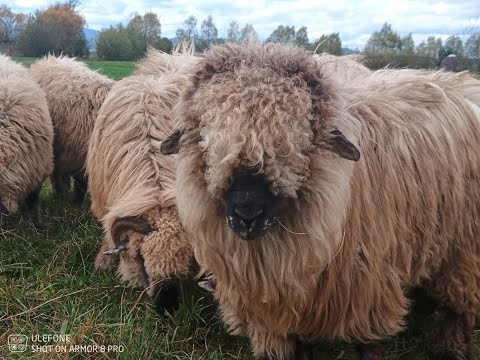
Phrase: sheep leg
[292,349]
[60,182]
[79,189]
[33,208]
[369,352]
[455,339]
[303,350]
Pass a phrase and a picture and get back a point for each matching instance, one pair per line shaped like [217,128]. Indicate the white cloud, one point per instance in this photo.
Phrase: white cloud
[354,20]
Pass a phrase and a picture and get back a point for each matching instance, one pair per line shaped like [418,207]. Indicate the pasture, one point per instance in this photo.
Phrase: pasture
[48,286]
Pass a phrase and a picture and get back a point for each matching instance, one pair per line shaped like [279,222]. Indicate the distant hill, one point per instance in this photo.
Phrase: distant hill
[91,36]
[347,51]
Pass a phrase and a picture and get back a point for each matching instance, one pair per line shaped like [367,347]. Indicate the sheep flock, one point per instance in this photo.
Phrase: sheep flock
[314,198]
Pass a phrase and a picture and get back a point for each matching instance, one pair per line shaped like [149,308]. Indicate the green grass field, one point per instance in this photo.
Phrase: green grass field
[114,69]
[48,286]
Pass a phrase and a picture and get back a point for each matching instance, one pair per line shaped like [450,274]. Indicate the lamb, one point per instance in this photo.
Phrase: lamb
[132,187]
[75,94]
[337,200]
[26,137]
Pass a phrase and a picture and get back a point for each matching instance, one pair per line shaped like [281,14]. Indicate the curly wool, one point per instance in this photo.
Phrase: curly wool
[129,177]
[26,134]
[353,235]
[74,94]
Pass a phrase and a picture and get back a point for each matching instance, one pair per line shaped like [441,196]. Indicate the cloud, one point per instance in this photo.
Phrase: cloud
[354,20]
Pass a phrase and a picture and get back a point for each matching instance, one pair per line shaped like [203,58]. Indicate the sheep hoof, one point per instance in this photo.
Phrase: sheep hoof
[167,299]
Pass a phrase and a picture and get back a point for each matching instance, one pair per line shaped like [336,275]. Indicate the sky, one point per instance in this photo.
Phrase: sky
[354,20]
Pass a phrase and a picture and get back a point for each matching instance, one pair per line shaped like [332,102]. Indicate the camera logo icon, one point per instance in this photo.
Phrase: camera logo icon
[17,343]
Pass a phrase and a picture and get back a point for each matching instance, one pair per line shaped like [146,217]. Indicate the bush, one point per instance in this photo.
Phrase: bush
[119,43]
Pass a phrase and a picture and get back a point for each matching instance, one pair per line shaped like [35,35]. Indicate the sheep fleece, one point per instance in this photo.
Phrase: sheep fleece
[359,233]
[129,177]
[26,134]
[74,94]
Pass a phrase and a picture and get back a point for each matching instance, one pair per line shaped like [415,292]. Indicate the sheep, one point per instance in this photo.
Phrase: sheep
[75,94]
[317,206]
[26,138]
[132,187]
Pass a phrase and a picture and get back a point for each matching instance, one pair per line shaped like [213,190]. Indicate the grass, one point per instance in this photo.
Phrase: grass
[47,286]
[113,69]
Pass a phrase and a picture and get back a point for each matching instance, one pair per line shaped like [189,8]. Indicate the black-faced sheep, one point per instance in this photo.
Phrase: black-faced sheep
[74,94]
[132,184]
[317,207]
[26,136]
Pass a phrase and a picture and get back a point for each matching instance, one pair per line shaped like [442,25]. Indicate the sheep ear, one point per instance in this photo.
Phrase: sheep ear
[120,227]
[171,145]
[341,146]
[3,210]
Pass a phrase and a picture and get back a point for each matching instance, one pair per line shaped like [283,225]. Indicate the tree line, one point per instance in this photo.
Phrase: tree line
[59,29]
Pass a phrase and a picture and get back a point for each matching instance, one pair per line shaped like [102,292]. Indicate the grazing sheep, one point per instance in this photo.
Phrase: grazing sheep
[75,94]
[338,199]
[132,186]
[26,136]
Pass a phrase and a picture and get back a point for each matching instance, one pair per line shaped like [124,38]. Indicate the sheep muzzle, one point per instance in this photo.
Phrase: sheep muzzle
[250,207]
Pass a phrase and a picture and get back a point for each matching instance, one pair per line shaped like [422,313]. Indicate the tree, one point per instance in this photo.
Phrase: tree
[148,26]
[406,56]
[208,34]
[330,43]
[120,43]
[57,29]
[164,44]
[301,37]
[11,24]
[383,48]
[472,47]
[283,35]
[472,52]
[233,32]
[189,30]
[455,45]
[248,35]
[429,52]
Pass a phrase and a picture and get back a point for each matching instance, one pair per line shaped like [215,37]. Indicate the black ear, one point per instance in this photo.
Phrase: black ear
[3,210]
[171,145]
[341,146]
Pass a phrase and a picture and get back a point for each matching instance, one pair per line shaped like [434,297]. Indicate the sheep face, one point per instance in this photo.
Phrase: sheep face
[250,206]
[263,110]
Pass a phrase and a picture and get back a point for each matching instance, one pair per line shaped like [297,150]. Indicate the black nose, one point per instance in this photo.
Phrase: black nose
[249,213]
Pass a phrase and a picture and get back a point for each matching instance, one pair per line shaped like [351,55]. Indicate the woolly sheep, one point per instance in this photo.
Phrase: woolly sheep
[26,136]
[337,200]
[132,185]
[75,94]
